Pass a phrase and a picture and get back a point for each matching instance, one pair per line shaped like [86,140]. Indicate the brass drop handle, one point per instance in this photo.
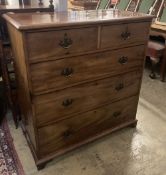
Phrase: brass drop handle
[116,114]
[66,43]
[67,102]
[123,60]
[67,134]
[119,87]
[125,35]
[67,72]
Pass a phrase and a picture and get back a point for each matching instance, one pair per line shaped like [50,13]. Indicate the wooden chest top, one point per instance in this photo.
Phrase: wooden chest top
[60,19]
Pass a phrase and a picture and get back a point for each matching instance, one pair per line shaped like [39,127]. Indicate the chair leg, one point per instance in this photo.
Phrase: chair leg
[153,67]
[163,68]
[15,116]
[14,111]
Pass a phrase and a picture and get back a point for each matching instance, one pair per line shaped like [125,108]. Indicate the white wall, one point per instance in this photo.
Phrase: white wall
[13,2]
[46,2]
[60,5]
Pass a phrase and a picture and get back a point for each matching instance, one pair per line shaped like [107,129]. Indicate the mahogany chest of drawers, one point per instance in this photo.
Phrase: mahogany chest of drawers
[79,75]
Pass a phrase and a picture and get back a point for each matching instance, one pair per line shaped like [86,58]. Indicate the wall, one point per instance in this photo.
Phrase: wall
[61,5]
[13,2]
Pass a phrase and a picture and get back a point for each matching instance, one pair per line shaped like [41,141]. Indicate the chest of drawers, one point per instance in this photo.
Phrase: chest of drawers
[79,75]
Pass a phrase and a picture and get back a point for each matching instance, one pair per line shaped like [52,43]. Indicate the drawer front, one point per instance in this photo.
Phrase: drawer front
[60,43]
[67,72]
[116,36]
[71,101]
[77,129]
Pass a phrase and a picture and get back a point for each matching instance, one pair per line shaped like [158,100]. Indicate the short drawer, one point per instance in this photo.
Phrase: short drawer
[71,101]
[70,132]
[41,45]
[116,36]
[54,75]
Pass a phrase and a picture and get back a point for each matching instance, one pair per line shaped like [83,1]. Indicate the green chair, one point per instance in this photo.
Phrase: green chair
[163,16]
[103,4]
[123,4]
[146,6]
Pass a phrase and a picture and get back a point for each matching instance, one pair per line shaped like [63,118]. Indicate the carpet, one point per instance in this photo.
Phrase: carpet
[9,161]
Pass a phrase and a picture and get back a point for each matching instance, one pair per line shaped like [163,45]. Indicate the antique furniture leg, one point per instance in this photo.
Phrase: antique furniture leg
[51,4]
[40,2]
[10,86]
[153,67]
[24,2]
[133,125]
[155,50]
[163,67]
[41,166]
[3,104]
[14,109]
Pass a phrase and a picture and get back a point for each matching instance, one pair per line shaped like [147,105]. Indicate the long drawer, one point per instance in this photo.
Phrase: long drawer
[77,129]
[54,75]
[116,36]
[59,43]
[71,101]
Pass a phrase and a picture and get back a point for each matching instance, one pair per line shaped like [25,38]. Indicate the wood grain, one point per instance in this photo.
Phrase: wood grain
[49,107]
[74,18]
[47,44]
[111,36]
[22,83]
[73,130]
[47,76]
